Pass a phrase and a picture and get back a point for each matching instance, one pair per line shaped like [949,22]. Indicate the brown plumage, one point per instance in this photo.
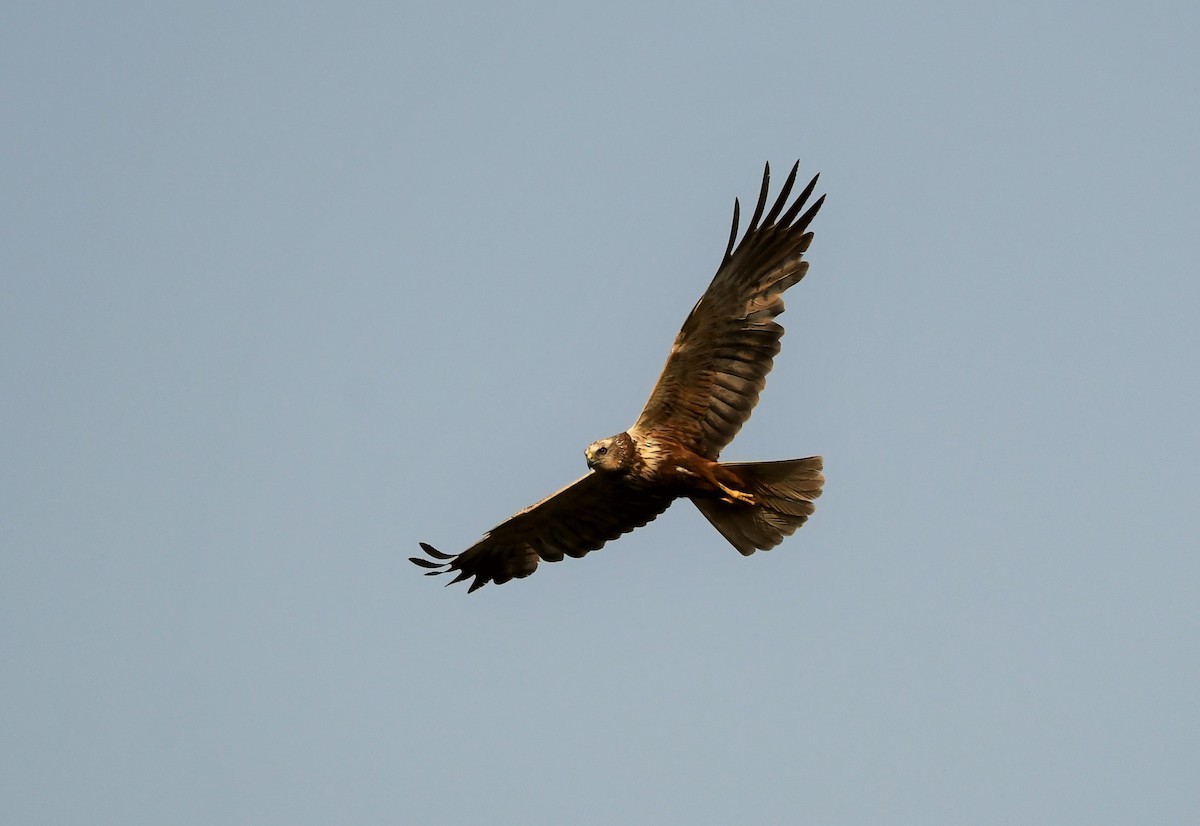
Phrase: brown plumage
[714,374]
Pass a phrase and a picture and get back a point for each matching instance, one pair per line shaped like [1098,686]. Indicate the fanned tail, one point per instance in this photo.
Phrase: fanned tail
[784,492]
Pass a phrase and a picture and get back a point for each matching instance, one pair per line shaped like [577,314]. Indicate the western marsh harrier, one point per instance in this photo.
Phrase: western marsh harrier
[717,367]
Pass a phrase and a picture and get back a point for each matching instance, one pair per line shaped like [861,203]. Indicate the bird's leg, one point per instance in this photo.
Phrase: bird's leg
[712,472]
[731,495]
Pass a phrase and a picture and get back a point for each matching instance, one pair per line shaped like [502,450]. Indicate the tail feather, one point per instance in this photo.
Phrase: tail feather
[784,492]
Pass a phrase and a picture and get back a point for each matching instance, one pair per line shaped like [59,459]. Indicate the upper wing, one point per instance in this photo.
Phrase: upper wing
[719,362]
[579,518]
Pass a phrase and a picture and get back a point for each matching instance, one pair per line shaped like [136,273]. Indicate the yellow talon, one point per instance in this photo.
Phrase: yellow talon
[731,495]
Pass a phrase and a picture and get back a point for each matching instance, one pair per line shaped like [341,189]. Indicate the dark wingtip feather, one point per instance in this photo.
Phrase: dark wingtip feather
[788,219]
[733,230]
[762,199]
[781,199]
[434,552]
[811,211]
[424,563]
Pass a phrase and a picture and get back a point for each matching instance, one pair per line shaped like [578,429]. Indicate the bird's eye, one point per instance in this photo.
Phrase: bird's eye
[602,451]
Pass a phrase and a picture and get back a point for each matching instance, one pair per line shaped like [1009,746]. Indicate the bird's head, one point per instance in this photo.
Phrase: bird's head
[612,454]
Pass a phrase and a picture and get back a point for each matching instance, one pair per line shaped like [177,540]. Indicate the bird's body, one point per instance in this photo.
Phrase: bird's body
[658,462]
[714,374]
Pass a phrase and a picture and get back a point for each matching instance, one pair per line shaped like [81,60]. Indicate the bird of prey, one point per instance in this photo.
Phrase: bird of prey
[716,369]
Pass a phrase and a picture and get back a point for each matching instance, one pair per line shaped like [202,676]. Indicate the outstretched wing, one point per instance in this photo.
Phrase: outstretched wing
[579,518]
[719,362]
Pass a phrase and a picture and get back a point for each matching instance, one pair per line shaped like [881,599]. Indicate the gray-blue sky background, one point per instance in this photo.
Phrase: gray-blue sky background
[287,289]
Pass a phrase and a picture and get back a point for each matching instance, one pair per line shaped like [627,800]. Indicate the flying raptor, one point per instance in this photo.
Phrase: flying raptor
[717,367]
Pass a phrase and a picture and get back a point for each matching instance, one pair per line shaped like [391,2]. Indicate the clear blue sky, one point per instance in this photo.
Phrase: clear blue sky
[287,289]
